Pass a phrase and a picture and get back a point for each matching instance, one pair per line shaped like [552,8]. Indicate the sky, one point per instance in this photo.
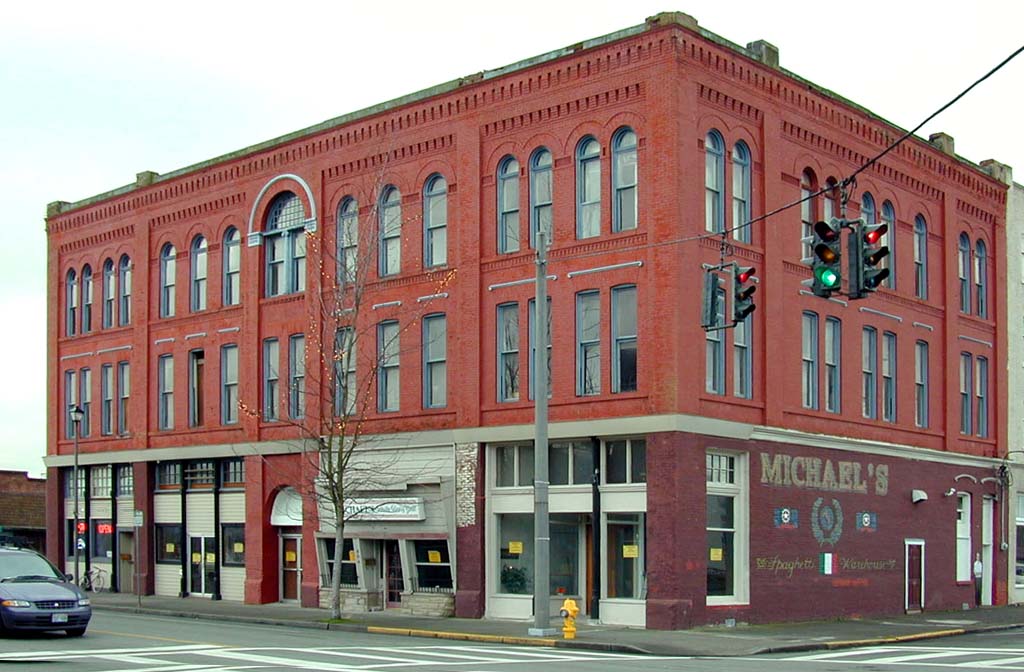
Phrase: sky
[94,92]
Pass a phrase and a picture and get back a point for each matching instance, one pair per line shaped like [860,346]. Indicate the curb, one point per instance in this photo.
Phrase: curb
[894,639]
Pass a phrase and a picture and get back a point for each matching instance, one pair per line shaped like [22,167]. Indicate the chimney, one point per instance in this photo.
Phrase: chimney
[764,51]
[999,171]
[942,142]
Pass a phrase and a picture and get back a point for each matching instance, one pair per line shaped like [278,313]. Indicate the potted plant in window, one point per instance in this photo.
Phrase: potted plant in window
[513,579]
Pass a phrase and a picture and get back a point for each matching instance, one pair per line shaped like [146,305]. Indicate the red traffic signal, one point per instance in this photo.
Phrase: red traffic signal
[744,274]
[875,233]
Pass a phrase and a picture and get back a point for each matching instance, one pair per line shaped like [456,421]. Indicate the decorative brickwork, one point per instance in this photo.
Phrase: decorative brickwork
[465,483]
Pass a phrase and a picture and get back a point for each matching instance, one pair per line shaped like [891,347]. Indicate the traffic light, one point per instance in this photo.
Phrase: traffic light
[865,256]
[827,251]
[709,306]
[742,292]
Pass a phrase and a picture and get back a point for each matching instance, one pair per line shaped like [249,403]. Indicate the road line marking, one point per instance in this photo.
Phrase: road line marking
[153,637]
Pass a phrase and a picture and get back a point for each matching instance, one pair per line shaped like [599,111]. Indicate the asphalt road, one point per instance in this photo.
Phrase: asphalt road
[120,642]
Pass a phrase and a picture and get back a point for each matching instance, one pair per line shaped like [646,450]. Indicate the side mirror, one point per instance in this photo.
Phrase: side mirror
[69,578]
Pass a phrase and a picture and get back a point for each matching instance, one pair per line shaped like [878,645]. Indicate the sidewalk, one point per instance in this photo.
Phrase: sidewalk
[705,641]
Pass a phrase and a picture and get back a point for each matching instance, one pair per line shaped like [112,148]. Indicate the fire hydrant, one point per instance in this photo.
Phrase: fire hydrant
[568,613]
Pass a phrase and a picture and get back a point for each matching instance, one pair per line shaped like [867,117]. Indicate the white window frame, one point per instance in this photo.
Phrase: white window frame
[869,373]
[229,384]
[739,491]
[921,396]
[833,365]
[508,353]
[625,181]
[435,361]
[388,370]
[964,558]
[508,205]
[588,343]
[809,359]
[435,221]
[588,188]
[168,271]
[889,372]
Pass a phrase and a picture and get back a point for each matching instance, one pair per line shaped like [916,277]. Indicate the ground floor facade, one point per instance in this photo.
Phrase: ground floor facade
[652,524]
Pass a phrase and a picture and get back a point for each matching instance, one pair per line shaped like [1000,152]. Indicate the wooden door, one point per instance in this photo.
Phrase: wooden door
[915,580]
[291,566]
[394,579]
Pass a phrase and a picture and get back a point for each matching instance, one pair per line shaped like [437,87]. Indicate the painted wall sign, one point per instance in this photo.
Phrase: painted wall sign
[814,473]
[828,563]
[833,562]
[787,518]
[385,508]
[867,521]
[827,521]
[787,566]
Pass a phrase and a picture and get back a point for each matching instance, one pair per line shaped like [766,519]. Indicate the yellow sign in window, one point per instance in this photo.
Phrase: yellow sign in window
[196,558]
[515,547]
[238,547]
[352,555]
[433,556]
[715,555]
[210,558]
[631,551]
[169,548]
[289,556]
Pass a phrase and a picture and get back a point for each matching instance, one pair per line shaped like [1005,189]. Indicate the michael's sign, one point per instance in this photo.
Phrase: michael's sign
[814,473]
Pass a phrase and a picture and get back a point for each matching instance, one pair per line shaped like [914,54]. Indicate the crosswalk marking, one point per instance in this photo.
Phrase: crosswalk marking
[919,656]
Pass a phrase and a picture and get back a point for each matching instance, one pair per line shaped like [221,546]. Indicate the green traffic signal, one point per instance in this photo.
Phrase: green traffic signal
[828,278]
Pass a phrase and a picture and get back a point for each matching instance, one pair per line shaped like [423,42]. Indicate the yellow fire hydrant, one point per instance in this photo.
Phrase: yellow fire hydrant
[568,613]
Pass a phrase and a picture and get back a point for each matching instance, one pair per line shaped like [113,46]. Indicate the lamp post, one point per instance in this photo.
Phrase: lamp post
[76,414]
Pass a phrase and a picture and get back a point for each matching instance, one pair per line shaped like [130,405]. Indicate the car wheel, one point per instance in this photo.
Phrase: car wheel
[75,632]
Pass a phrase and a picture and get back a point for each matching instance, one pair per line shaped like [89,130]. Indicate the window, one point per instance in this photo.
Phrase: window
[271,394]
[833,365]
[232,473]
[168,475]
[102,542]
[920,258]
[869,369]
[513,466]
[625,461]
[106,400]
[541,195]
[624,180]
[981,395]
[626,534]
[808,185]
[229,384]
[508,352]
[69,477]
[741,192]
[197,299]
[742,363]
[433,565]
[588,343]
[980,280]
[123,392]
[508,205]
[714,179]
[889,240]
[196,396]
[232,267]
[71,303]
[435,222]
[435,355]
[285,243]
[168,257]
[921,384]
[87,299]
[109,293]
[345,372]
[966,387]
[809,360]
[348,240]
[531,318]
[200,475]
[963,537]
[867,209]
[165,386]
[963,265]
[124,280]
[168,544]
[515,561]
[297,376]
[624,339]
[100,481]
[70,400]
[571,462]
[85,401]
[830,205]
[125,480]
[232,544]
[726,529]
[349,576]
[387,355]
[889,376]
[588,189]
[714,345]
[390,231]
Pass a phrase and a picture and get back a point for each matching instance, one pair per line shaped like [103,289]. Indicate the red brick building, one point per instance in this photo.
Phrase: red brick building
[22,510]
[845,449]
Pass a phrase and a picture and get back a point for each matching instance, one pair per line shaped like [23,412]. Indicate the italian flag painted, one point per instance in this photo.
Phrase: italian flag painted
[828,564]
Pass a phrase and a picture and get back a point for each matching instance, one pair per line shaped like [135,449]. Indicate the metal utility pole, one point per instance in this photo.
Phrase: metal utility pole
[76,414]
[541,520]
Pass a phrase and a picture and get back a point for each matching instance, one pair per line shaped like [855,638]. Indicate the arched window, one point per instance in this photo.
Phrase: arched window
[390,231]
[963,269]
[714,177]
[168,257]
[124,281]
[867,209]
[981,278]
[830,204]
[624,180]
[588,188]
[541,195]
[348,239]
[285,242]
[808,185]
[109,293]
[741,192]
[920,258]
[197,292]
[435,222]
[232,267]
[86,299]
[71,303]
[508,205]
[889,240]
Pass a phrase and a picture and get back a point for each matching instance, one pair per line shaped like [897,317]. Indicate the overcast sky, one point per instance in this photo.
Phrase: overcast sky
[95,92]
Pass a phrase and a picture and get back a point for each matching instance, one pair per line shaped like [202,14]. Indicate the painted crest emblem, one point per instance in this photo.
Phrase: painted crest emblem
[827,521]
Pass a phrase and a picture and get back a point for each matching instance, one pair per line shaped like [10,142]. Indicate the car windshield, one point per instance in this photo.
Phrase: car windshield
[25,566]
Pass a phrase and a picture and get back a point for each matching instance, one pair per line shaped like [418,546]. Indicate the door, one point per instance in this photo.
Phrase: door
[394,581]
[126,562]
[202,565]
[914,594]
[987,531]
[291,568]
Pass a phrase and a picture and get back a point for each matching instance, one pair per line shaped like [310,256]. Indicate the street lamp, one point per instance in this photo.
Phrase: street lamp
[77,415]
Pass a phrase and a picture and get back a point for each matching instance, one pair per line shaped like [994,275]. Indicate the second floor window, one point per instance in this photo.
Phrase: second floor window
[165,387]
[833,364]
[588,189]
[123,393]
[229,384]
[869,372]
[714,352]
[435,222]
[624,339]
[168,259]
[981,396]
[588,343]
[388,383]
[508,352]
[285,246]
[345,371]
[921,384]
[297,376]
[966,389]
[85,401]
[435,365]
[107,399]
[390,232]
[809,360]
[271,391]
[889,376]
[196,387]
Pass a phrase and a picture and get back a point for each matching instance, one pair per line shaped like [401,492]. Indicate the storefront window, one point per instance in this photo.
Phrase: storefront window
[515,553]
[513,466]
[565,553]
[102,539]
[233,540]
[433,565]
[570,457]
[721,533]
[625,461]
[726,529]
[325,546]
[168,544]
[626,559]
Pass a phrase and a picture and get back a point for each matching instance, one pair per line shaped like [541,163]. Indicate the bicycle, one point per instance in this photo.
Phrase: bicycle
[95,580]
